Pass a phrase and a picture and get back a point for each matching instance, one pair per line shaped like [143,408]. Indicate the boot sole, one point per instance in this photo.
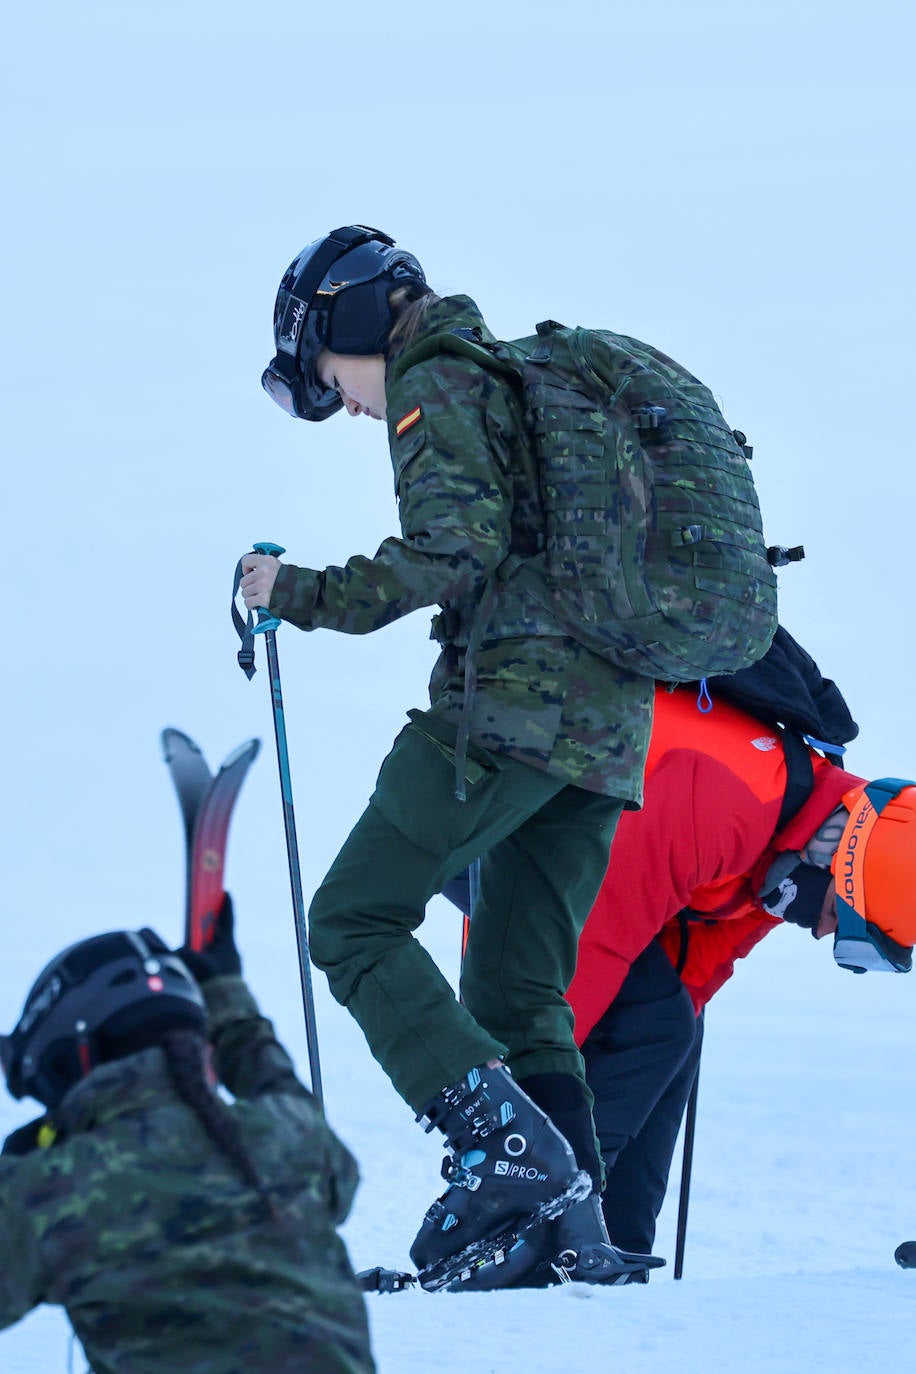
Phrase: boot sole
[479,1252]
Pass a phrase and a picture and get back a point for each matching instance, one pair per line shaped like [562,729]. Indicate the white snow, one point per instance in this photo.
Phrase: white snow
[726,181]
[802,1189]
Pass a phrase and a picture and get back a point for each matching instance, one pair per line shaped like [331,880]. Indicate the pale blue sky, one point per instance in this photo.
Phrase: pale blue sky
[731,183]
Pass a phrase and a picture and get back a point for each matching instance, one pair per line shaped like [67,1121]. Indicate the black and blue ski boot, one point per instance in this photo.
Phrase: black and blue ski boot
[584,1253]
[509,1170]
[525,1264]
[574,1249]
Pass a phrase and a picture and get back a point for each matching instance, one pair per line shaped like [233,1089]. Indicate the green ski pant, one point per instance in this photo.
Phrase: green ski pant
[544,849]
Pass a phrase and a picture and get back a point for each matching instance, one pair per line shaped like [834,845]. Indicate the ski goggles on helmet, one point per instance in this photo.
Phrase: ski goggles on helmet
[300,393]
[334,295]
[300,329]
[301,325]
[873,871]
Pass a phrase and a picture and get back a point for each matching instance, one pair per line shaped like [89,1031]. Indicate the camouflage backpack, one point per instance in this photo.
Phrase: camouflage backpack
[653,554]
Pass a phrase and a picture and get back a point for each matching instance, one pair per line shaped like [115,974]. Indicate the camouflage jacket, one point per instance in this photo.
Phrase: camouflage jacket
[466,484]
[161,1254]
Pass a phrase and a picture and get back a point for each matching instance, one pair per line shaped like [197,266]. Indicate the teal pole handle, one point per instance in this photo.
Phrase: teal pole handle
[266,621]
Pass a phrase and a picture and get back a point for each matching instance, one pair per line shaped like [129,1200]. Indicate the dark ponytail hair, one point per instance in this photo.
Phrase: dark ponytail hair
[409,303]
[185,1053]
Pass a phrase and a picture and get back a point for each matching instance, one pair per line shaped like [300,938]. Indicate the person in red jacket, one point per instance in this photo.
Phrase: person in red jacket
[698,877]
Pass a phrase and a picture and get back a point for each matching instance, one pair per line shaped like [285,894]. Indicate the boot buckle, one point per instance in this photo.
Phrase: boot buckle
[460,1177]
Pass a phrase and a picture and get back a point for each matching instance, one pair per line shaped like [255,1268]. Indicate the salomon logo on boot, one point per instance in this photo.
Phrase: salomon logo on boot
[508,1169]
[529,1174]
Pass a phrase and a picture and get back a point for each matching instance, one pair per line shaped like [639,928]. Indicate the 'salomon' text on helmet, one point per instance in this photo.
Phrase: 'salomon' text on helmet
[334,295]
[875,871]
[100,999]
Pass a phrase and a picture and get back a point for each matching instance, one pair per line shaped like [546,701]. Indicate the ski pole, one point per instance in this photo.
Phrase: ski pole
[473,898]
[686,1167]
[268,625]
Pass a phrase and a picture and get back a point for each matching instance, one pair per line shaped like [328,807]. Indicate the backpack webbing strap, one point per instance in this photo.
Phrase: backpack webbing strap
[683,919]
[799,776]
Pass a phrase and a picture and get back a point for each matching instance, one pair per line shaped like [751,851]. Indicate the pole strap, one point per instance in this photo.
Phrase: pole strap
[243,628]
[247,629]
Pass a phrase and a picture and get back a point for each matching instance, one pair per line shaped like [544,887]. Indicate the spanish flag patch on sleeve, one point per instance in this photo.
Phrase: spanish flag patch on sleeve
[404,424]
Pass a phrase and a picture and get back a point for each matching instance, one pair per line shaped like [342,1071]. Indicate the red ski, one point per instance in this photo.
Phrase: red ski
[206,808]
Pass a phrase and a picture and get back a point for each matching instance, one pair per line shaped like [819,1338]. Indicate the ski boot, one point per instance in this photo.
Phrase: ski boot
[522,1265]
[564,1251]
[508,1170]
[584,1253]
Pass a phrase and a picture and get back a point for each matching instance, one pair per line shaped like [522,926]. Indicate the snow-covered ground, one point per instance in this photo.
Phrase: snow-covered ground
[802,1189]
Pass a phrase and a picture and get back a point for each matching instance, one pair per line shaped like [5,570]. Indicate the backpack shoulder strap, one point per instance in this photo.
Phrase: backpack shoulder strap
[799,776]
[799,786]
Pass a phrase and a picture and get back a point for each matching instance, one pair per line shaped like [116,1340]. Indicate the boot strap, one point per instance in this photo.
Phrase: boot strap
[472,1132]
[458,1176]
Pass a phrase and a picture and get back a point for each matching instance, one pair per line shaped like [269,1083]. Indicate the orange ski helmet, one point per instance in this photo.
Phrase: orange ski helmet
[875,862]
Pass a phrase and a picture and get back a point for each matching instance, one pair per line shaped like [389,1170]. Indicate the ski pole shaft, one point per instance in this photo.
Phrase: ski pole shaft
[267,625]
[690,1124]
[295,876]
[473,898]
[474,887]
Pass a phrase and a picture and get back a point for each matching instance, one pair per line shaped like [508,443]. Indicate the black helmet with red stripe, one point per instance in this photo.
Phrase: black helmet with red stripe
[334,295]
[101,999]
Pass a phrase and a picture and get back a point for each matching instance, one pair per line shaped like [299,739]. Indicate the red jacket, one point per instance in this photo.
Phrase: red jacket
[704,839]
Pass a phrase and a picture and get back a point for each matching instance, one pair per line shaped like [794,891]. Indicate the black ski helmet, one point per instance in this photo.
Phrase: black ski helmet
[334,295]
[100,999]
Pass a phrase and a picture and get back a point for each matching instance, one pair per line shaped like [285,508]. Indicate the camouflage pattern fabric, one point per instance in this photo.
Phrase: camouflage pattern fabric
[161,1254]
[466,483]
[650,548]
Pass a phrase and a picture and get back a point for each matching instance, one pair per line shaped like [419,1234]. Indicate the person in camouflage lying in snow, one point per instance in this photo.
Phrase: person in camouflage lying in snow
[546,739]
[179,1232]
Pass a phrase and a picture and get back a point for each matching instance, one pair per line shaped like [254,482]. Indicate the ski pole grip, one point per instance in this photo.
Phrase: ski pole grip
[266,621]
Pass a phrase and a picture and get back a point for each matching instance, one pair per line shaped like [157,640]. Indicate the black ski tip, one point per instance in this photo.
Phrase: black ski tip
[170,737]
[905,1254]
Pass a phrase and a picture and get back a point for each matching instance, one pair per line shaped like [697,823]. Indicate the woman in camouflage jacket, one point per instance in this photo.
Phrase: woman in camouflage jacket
[531,748]
[179,1232]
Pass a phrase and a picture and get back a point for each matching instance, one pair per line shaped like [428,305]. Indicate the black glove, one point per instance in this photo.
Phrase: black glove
[220,959]
[35,1135]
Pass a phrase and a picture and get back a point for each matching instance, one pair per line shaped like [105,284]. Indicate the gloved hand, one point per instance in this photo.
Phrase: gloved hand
[35,1135]
[221,958]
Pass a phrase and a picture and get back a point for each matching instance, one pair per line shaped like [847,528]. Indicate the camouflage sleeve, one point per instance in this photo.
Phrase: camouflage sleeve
[454,487]
[20,1280]
[252,1062]
[249,1058]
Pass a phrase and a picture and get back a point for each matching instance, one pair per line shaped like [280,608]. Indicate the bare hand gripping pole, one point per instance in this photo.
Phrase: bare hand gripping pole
[246,630]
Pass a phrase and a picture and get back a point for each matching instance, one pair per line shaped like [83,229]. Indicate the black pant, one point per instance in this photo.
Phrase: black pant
[640,1062]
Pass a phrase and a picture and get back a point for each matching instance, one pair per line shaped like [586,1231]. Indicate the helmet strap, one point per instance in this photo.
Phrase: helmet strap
[84,1053]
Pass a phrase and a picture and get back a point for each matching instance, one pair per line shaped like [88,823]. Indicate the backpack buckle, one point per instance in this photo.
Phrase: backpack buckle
[649,417]
[778,555]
